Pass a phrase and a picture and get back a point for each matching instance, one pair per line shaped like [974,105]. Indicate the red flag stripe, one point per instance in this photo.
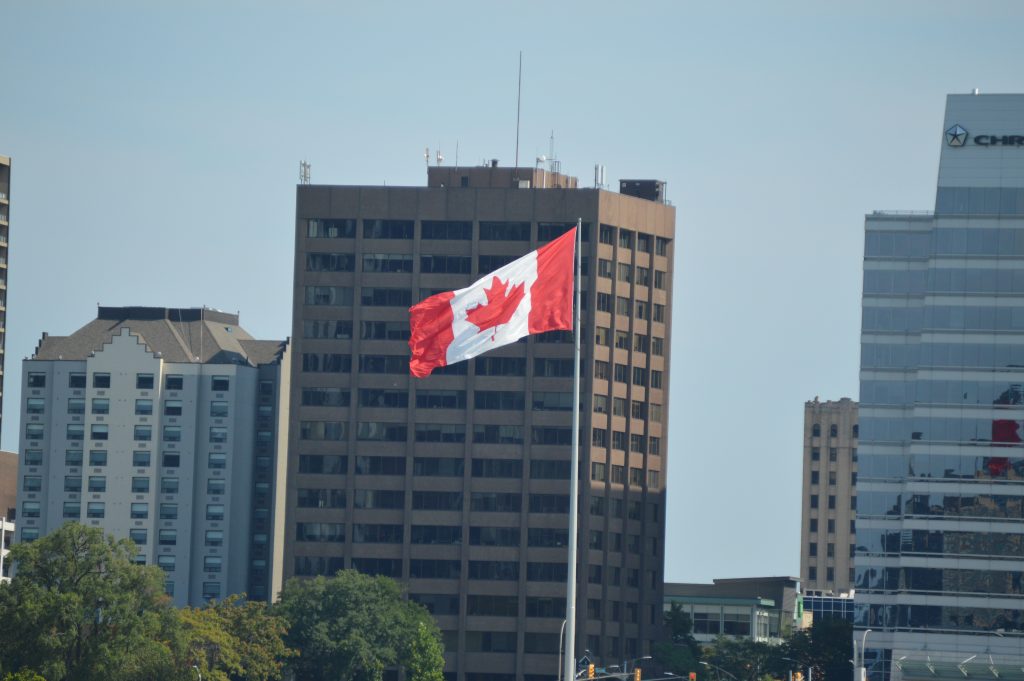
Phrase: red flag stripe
[552,293]
[430,323]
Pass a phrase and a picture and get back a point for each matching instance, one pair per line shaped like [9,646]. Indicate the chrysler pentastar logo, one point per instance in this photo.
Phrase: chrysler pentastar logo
[956,136]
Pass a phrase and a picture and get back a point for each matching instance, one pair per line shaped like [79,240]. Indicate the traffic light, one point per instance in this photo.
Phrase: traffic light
[693,676]
[798,676]
[590,671]
[636,674]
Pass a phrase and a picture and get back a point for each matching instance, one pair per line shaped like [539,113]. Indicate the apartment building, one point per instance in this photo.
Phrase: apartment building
[162,425]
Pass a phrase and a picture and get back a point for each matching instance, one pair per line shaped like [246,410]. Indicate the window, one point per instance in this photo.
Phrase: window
[168,511]
[598,471]
[601,370]
[330,262]
[36,380]
[174,382]
[549,470]
[497,468]
[437,467]
[140,485]
[100,405]
[216,486]
[380,465]
[97,483]
[171,460]
[601,404]
[661,246]
[499,400]
[660,279]
[72,483]
[143,381]
[495,502]
[643,276]
[659,313]
[143,407]
[35,431]
[97,457]
[101,380]
[449,230]
[143,433]
[387,229]
[621,373]
[139,511]
[386,297]
[504,231]
[220,384]
[35,405]
[623,306]
[215,511]
[75,380]
[76,405]
[331,229]
[816,430]
[169,485]
[833,454]
[494,536]
[833,430]
[625,272]
[33,457]
[96,509]
[599,437]
[214,537]
[32,483]
[219,434]
[387,262]
[218,409]
[139,537]
[172,434]
[217,461]
[166,562]
[379,431]
[604,302]
[73,457]
[619,440]
[445,264]
[814,501]
[212,564]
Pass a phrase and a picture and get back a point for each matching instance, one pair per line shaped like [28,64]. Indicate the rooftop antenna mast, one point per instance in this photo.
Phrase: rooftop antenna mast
[304,167]
[519,99]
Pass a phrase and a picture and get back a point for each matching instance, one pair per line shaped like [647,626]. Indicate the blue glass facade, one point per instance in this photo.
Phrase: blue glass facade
[940,516]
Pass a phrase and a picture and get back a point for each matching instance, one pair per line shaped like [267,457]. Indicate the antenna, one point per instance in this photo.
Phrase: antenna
[440,156]
[519,99]
[456,154]
[304,172]
[426,155]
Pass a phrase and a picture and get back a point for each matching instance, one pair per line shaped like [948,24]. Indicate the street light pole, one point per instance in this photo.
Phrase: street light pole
[861,672]
[561,646]
[720,670]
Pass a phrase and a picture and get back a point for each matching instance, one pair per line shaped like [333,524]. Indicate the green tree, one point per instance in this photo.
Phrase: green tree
[232,640]
[679,651]
[351,627]
[744,658]
[826,647]
[80,609]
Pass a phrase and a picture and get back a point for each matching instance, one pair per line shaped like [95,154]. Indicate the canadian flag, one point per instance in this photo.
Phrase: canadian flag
[530,295]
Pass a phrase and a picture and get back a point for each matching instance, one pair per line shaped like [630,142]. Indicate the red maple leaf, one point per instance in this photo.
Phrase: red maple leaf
[500,306]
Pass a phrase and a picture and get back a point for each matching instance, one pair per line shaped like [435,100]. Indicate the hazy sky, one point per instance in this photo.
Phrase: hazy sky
[156,148]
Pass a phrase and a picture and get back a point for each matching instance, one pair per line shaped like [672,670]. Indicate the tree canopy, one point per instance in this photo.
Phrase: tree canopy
[351,627]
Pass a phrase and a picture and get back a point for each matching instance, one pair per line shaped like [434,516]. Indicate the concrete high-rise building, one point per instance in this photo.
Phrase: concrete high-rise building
[8,495]
[5,228]
[162,425]
[829,496]
[457,484]
[940,494]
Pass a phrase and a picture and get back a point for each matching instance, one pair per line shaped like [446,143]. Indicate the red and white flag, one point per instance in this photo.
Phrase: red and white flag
[530,295]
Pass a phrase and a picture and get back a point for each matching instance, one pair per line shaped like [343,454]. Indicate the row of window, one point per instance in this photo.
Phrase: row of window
[812,525]
[621,374]
[143,407]
[633,442]
[833,454]
[641,309]
[832,478]
[139,485]
[628,273]
[833,430]
[606,235]
[101,431]
[599,472]
[636,409]
[625,340]
[382,431]
[140,458]
[815,501]
[830,550]
[97,509]
[100,380]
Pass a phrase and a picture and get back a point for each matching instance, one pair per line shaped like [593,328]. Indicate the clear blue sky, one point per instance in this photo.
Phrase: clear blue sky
[156,149]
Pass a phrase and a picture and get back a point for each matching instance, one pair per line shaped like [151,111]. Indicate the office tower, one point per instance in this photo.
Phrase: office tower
[941,480]
[457,484]
[5,217]
[162,425]
[829,496]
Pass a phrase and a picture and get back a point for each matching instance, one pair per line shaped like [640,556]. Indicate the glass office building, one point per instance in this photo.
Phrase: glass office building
[939,531]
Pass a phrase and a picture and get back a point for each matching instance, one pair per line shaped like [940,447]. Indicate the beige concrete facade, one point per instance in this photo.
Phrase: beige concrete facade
[8,483]
[457,484]
[829,496]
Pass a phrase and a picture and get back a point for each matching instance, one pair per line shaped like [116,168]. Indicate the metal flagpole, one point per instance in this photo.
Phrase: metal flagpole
[574,483]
